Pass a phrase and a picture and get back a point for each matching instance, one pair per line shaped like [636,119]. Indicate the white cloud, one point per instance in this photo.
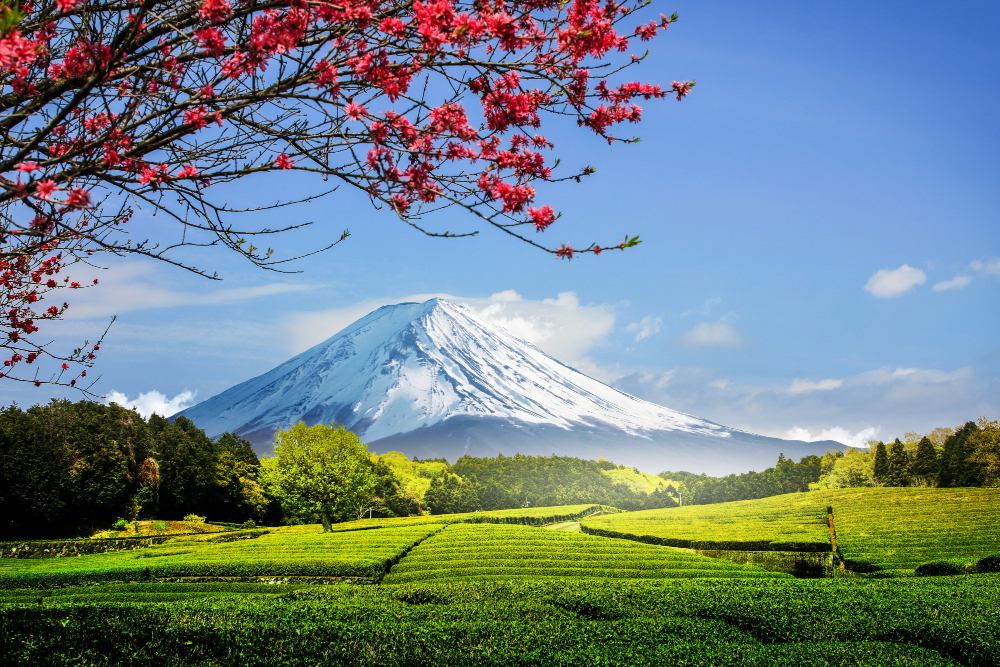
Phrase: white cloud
[889,283]
[913,376]
[561,327]
[802,386]
[958,282]
[153,402]
[711,335]
[990,266]
[858,440]
[645,328]
[705,309]
[134,286]
[897,399]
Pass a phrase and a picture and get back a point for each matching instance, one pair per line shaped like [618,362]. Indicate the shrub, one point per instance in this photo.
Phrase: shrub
[120,524]
[248,524]
[938,568]
[194,520]
[160,527]
[988,564]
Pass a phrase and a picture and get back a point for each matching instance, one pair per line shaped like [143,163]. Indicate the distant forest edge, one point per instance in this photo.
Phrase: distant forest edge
[73,469]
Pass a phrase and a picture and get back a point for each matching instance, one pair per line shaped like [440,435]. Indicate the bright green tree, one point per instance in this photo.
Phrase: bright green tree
[324,469]
[987,451]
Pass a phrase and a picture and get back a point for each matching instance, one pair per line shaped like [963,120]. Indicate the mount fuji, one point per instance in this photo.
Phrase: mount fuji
[434,380]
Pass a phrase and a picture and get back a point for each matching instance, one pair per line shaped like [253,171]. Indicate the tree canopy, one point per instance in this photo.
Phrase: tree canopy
[321,468]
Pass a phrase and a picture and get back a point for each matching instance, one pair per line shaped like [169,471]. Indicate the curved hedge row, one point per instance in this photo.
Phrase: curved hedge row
[500,552]
[709,545]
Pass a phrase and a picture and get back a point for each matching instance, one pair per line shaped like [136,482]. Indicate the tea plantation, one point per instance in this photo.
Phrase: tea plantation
[509,552]
[897,529]
[793,522]
[888,530]
[478,590]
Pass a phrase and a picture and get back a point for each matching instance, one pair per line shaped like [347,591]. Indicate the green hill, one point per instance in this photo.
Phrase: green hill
[882,529]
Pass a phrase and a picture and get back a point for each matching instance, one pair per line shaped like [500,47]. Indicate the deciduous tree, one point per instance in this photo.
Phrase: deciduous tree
[987,451]
[324,469]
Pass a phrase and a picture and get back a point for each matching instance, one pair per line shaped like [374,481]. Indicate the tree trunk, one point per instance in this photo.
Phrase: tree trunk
[327,525]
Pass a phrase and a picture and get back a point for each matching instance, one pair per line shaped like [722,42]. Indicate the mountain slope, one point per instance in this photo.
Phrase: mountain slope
[433,379]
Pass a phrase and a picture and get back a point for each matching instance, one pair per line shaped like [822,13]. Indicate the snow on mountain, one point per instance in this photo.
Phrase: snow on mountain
[412,375]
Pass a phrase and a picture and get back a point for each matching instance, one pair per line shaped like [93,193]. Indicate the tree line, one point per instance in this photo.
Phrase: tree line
[785,477]
[945,458]
[965,457]
[508,482]
[69,469]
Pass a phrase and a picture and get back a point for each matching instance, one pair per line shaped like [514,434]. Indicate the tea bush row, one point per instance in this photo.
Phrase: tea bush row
[365,554]
[484,551]
[895,622]
[793,522]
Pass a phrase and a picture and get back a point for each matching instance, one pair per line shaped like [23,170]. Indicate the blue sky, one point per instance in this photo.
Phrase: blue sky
[823,144]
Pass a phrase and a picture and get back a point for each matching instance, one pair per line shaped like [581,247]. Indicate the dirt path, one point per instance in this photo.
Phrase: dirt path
[569,526]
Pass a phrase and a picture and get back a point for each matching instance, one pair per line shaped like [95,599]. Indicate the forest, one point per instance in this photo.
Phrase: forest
[72,469]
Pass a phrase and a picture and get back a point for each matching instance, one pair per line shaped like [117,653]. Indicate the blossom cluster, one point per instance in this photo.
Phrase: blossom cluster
[201,92]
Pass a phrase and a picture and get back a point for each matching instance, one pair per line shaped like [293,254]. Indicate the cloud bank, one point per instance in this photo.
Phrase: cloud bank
[891,283]
[153,402]
[709,335]
[645,328]
[887,399]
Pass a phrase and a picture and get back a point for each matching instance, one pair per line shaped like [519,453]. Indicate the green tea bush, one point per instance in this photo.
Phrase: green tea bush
[988,564]
[933,622]
[938,568]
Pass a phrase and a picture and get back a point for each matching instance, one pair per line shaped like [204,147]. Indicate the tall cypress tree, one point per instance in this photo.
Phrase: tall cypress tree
[899,466]
[880,468]
[925,465]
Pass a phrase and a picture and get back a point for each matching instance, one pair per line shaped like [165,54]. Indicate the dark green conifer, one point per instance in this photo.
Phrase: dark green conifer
[880,468]
[925,465]
[899,466]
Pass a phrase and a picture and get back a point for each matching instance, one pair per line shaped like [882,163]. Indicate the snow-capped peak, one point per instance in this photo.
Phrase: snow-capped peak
[412,365]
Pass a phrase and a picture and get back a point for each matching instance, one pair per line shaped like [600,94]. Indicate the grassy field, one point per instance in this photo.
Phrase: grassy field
[886,529]
[463,551]
[484,593]
[794,522]
[948,621]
